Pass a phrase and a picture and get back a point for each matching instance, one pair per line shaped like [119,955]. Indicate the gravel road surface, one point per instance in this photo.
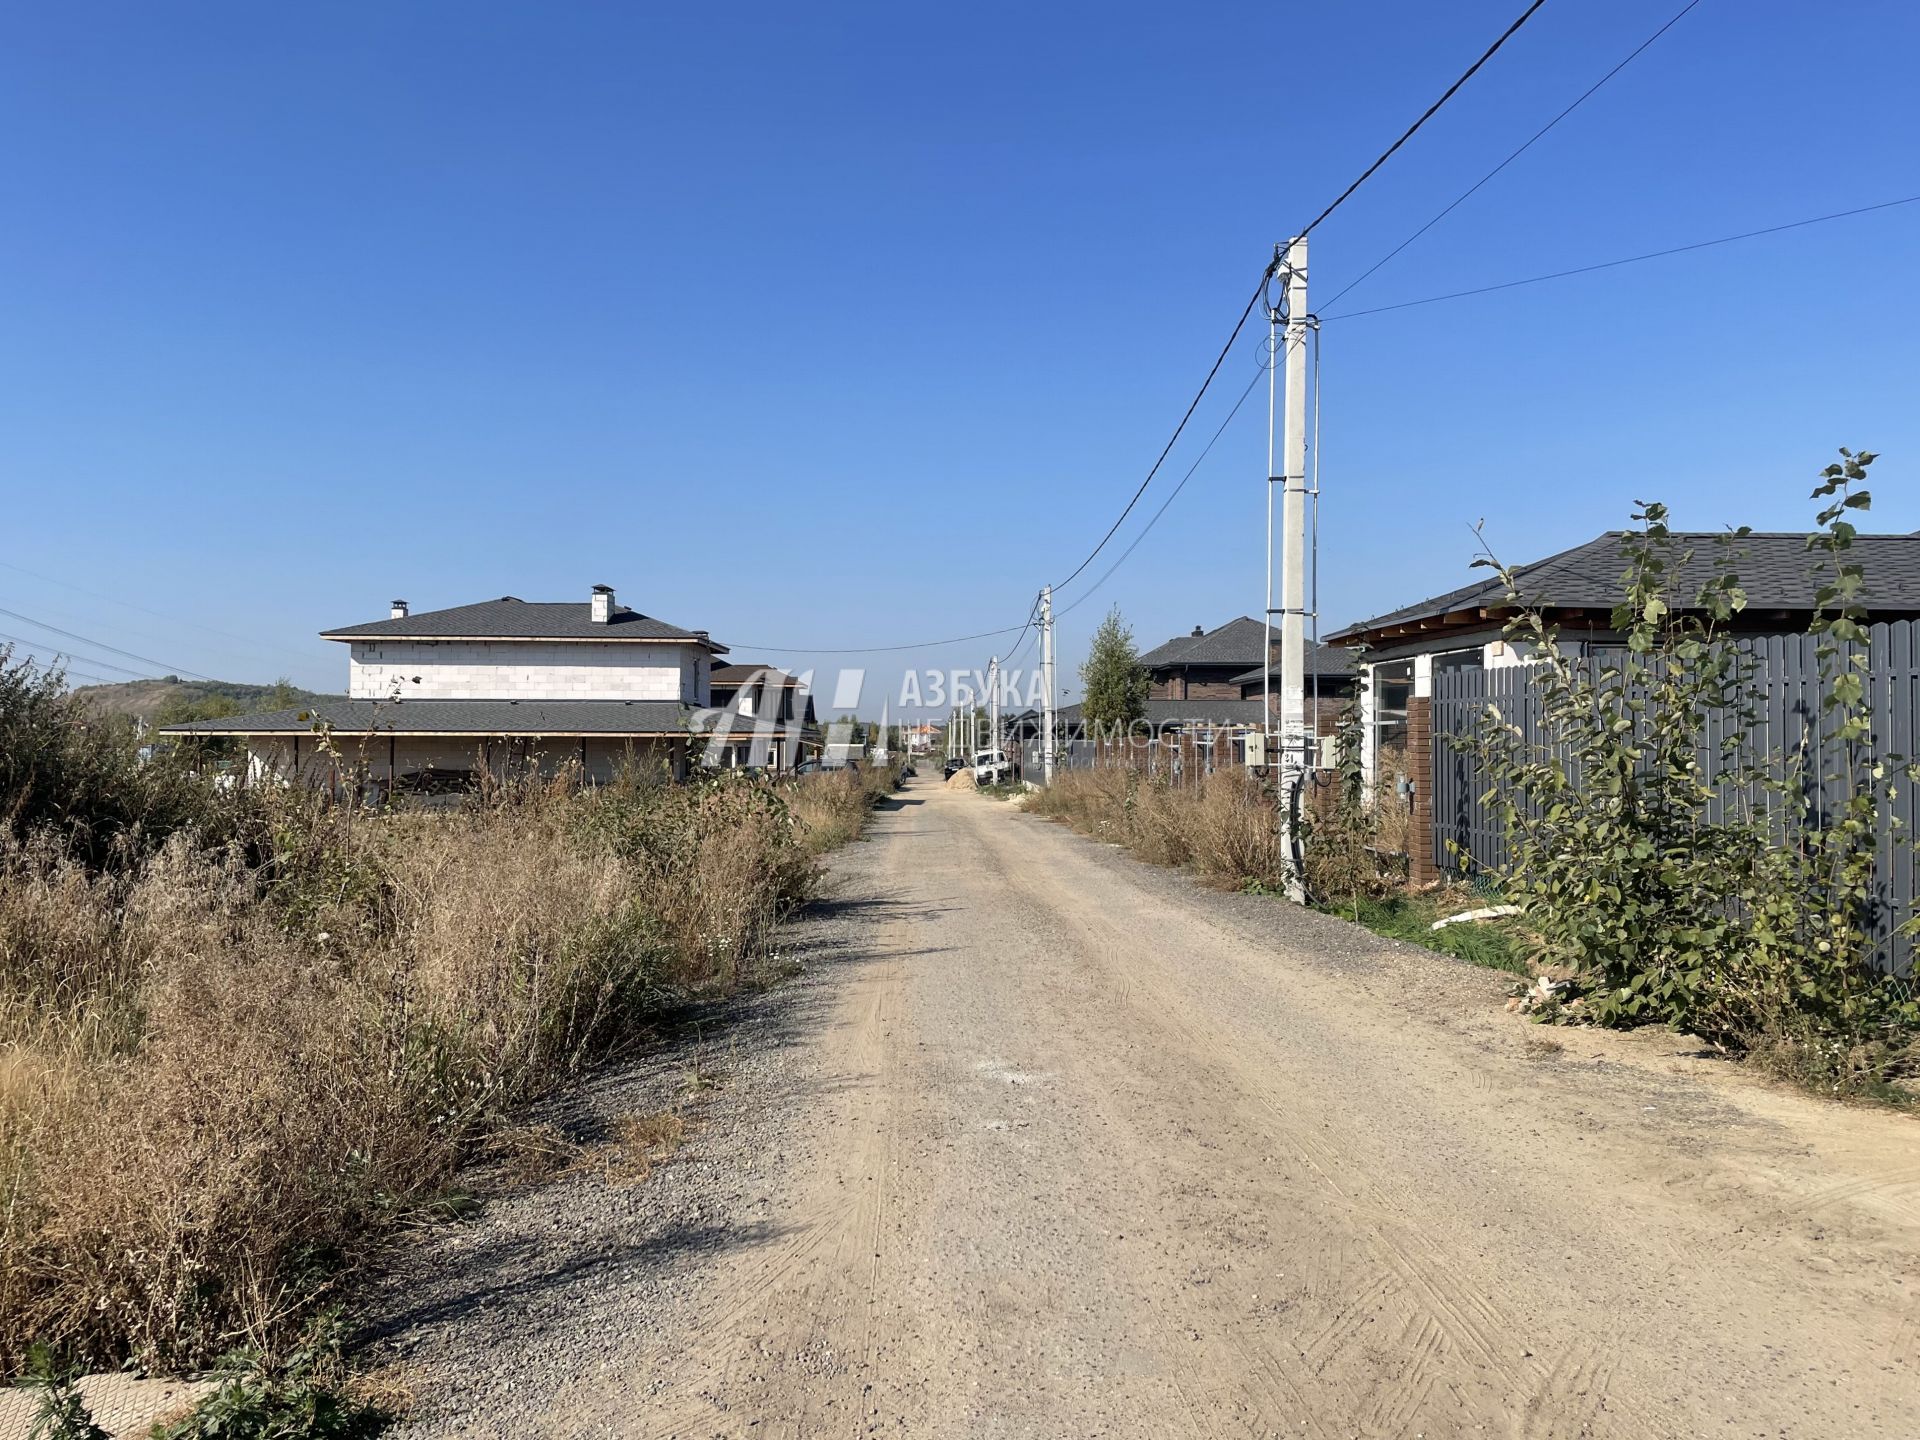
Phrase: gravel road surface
[1043,1142]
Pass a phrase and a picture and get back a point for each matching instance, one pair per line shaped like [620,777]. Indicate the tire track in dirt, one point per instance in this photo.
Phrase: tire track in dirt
[1087,1158]
[812,1302]
[1569,1389]
[1409,1276]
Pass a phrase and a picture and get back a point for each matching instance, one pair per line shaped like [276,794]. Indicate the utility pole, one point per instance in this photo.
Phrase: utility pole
[1046,682]
[1293,568]
[993,703]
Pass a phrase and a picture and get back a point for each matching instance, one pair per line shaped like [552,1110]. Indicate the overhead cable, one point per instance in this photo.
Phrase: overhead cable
[1094,588]
[1466,194]
[102,645]
[1625,260]
[1431,111]
[1238,325]
[89,659]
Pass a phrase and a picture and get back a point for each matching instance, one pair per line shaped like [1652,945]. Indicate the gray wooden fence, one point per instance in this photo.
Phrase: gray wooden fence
[1787,723]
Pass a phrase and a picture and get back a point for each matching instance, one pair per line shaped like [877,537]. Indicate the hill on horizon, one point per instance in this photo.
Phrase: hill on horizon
[176,699]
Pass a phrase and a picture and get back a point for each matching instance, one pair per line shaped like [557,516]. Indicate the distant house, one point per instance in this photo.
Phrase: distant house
[1207,664]
[436,699]
[1217,677]
[767,717]
[1454,645]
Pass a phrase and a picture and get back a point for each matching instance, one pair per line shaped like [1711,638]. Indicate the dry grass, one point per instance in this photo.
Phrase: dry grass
[639,1144]
[833,807]
[1223,829]
[222,1071]
[528,1154]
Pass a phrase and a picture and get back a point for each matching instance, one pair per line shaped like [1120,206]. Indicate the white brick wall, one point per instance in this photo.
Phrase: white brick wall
[526,670]
[378,757]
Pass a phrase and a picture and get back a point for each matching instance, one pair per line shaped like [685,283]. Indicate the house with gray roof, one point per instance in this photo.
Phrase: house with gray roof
[437,698]
[769,714]
[1402,650]
[1220,676]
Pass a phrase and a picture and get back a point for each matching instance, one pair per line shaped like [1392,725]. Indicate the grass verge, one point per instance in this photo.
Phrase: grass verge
[244,1033]
[1495,944]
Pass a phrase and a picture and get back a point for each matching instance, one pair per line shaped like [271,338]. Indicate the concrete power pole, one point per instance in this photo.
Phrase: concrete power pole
[1294,739]
[993,703]
[1046,682]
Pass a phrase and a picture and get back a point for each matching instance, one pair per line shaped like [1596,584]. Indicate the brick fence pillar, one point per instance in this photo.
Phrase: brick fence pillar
[1420,867]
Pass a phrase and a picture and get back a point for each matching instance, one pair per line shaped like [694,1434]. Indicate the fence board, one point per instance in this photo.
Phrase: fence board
[1788,722]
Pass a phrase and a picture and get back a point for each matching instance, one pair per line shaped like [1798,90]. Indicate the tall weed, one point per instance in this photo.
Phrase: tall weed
[232,1052]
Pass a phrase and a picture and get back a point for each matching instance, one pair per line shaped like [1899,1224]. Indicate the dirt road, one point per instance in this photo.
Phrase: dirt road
[1085,1150]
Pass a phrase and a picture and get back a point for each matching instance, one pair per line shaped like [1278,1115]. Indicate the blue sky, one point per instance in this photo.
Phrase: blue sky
[850,325]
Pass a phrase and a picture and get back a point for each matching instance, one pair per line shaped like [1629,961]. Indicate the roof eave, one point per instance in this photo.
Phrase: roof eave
[351,732]
[713,645]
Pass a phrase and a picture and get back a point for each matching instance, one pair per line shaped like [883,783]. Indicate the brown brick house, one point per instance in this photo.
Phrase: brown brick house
[1225,664]
[1206,664]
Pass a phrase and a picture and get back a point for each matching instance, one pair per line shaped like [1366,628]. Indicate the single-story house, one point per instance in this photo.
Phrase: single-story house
[437,698]
[1461,634]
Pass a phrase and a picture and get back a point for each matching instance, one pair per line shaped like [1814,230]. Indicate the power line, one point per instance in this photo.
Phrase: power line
[1260,289]
[102,645]
[1032,615]
[1199,395]
[1431,111]
[1626,260]
[1238,325]
[1094,588]
[879,649]
[1586,95]
[55,663]
[253,645]
[89,659]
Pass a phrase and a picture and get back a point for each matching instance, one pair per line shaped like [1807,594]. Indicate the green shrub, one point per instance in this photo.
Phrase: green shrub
[299,1397]
[66,770]
[1753,927]
[59,1411]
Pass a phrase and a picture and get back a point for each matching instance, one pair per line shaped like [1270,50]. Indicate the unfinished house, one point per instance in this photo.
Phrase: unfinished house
[438,699]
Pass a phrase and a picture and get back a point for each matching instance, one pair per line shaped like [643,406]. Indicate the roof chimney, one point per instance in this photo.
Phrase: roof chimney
[602,604]
[1198,631]
[398,611]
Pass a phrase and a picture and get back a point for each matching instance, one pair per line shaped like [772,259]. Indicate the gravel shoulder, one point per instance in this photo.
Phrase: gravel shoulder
[1042,1141]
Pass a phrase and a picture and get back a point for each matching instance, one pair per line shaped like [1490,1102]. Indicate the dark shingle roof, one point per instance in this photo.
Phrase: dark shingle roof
[1238,642]
[1321,660]
[741,674]
[458,717]
[1775,570]
[511,618]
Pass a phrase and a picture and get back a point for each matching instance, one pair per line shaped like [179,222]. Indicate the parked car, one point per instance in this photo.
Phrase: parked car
[820,764]
[955,764]
[991,767]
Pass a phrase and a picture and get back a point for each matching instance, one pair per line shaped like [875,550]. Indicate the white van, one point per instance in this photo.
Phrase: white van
[991,767]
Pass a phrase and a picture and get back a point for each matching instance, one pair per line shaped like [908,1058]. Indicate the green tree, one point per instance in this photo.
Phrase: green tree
[1113,682]
[184,709]
[1677,867]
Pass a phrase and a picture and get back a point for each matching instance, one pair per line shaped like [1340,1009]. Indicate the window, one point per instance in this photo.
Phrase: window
[1392,688]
